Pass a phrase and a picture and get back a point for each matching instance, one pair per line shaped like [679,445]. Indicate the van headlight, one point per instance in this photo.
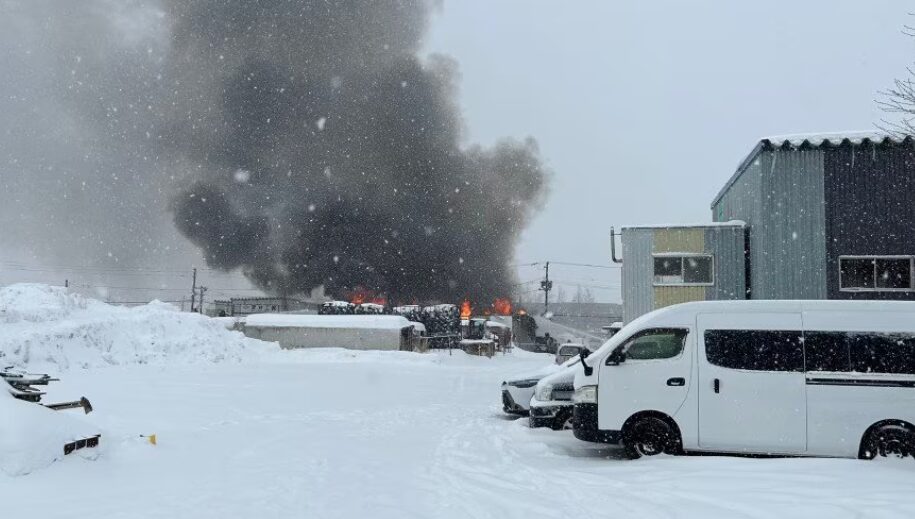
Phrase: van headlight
[585,395]
[544,393]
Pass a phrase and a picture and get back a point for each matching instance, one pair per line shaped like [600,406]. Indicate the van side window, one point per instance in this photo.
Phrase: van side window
[882,352]
[657,343]
[863,352]
[827,351]
[758,350]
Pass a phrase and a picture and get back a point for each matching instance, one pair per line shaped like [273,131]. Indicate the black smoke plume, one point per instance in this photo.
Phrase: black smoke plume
[330,154]
[304,142]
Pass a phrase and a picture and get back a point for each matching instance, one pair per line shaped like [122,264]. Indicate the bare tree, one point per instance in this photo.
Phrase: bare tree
[900,100]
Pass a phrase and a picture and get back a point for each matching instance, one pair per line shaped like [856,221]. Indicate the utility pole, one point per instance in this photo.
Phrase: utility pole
[193,289]
[546,285]
[203,290]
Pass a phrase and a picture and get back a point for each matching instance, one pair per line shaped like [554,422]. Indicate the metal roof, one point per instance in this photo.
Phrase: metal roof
[812,141]
[706,225]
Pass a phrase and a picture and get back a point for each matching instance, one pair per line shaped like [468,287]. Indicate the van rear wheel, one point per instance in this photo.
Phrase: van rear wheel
[649,436]
[891,440]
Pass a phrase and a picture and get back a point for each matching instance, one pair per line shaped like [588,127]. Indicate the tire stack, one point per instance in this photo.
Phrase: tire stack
[443,324]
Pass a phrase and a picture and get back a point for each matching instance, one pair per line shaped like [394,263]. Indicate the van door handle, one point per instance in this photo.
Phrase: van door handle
[717,385]
[676,381]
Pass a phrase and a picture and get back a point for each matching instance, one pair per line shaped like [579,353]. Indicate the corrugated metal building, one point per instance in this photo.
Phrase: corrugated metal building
[665,265]
[827,216]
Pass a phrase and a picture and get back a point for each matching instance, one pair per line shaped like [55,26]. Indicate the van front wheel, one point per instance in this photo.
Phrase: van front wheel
[648,436]
[892,440]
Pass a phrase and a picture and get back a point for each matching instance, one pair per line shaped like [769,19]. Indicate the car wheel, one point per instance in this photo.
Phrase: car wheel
[649,436]
[562,422]
[893,440]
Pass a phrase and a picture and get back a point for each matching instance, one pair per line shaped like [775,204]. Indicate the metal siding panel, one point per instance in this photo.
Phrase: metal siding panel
[679,240]
[666,296]
[870,208]
[727,245]
[743,201]
[637,273]
[780,197]
[792,234]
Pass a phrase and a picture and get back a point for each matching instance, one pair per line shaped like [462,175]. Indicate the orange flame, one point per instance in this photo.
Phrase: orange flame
[466,310]
[502,306]
[361,295]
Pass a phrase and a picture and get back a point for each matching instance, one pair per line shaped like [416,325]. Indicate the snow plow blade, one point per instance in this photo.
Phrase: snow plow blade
[82,402]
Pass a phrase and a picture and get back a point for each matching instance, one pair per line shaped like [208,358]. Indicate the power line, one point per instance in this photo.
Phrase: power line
[589,265]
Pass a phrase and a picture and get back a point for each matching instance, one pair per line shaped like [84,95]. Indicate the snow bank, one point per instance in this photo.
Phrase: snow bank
[49,328]
[32,437]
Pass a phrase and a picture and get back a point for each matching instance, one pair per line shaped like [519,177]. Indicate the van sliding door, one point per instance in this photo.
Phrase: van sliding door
[752,388]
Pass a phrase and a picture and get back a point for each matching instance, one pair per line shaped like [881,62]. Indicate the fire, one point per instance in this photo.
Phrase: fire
[466,310]
[502,306]
[362,295]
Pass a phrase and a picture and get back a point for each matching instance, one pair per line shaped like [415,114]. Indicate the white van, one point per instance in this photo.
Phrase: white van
[815,378]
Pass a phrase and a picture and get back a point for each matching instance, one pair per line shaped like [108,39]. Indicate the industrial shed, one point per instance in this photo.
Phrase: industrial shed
[811,216]
[355,332]
[669,264]
[829,216]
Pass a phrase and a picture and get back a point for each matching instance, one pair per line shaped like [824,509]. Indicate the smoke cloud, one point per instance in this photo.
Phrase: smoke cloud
[307,143]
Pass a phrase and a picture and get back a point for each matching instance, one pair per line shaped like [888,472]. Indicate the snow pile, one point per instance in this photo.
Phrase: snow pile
[48,326]
[33,437]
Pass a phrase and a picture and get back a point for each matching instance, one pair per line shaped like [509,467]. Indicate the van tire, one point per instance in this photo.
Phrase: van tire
[892,438]
[649,435]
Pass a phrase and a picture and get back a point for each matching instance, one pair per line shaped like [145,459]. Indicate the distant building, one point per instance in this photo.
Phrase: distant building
[823,216]
[669,264]
[241,306]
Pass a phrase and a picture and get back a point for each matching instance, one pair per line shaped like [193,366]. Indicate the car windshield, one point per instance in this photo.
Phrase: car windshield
[311,258]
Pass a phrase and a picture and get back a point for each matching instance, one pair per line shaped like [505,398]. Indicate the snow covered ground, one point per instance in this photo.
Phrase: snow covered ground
[331,433]
[245,430]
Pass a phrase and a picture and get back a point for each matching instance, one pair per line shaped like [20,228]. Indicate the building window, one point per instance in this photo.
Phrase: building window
[875,273]
[684,270]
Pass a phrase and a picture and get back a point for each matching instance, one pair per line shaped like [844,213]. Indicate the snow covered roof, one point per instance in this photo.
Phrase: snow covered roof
[729,223]
[815,140]
[377,322]
[812,140]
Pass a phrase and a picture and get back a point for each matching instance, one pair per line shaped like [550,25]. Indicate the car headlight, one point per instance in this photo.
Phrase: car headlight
[544,393]
[585,395]
[529,382]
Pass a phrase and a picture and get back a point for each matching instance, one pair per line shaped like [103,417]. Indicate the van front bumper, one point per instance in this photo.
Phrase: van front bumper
[584,425]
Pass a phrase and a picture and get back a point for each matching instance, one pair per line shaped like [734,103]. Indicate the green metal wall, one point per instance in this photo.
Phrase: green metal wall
[780,197]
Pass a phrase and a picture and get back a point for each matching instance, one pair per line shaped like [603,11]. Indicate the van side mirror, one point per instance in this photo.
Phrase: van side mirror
[588,369]
[616,357]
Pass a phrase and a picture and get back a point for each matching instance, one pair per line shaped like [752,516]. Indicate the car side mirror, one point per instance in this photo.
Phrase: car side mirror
[616,357]
[588,369]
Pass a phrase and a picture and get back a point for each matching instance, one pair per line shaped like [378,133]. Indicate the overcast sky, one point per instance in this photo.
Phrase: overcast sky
[644,109]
